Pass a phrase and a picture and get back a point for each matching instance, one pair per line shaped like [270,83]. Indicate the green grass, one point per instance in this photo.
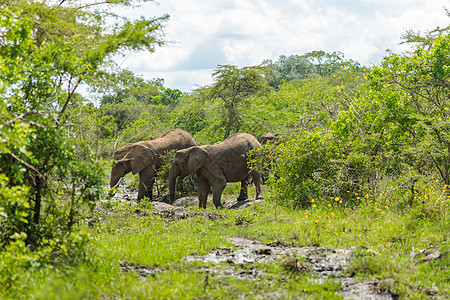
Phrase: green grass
[390,246]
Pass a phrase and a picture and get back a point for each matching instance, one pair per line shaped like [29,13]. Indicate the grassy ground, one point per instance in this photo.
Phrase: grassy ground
[406,250]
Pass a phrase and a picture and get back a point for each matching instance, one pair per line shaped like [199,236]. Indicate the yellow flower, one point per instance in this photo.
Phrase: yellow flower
[329,205]
[306,217]
[387,207]
[316,221]
[314,205]
[332,214]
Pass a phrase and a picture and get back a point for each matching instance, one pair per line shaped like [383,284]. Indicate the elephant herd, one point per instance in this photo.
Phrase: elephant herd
[214,165]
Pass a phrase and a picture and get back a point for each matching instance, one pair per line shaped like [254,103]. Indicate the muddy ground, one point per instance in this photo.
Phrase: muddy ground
[322,263]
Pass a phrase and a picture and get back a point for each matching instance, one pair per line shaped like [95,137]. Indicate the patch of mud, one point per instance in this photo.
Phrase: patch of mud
[324,264]
[429,254]
[180,208]
[125,194]
[141,270]
[172,213]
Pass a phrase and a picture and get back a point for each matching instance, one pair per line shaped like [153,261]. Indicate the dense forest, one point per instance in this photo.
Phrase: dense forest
[369,143]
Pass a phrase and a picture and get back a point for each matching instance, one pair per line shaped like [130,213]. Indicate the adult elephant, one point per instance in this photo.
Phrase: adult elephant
[145,158]
[215,165]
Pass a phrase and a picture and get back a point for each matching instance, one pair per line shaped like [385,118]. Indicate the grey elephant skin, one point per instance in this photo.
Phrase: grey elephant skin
[268,136]
[144,158]
[215,165]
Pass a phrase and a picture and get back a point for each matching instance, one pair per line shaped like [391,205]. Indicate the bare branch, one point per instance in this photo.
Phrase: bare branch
[27,165]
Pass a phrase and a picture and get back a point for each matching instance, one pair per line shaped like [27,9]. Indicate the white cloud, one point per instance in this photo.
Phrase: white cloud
[245,32]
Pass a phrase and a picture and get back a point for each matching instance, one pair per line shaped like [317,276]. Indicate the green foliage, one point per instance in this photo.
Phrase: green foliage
[297,67]
[304,165]
[126,86]
[421,82]
[168,97]
[47,183]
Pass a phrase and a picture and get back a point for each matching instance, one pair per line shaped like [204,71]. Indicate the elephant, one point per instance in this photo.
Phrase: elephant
[268,137]
[215,165]
[144,157]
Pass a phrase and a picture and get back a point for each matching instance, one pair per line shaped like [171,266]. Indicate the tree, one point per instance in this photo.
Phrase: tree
[421,80]
[302,66]
[233,87]
[46,52]
[125,85]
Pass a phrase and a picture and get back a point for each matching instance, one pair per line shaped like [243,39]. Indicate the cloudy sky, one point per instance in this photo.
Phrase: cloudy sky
[208,33]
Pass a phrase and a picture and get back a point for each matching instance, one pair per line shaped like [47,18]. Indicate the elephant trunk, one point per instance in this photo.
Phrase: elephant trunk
[174,172]
[118,170]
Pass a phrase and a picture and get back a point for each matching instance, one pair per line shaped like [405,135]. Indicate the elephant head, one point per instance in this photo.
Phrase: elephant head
[131,158]
[186,162]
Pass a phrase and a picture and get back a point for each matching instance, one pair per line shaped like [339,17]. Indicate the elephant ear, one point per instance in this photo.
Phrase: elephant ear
[196,158]
[123,152]
[141,157]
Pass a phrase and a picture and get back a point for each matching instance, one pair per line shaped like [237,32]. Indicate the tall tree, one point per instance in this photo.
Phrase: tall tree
[232,87]
[47,49]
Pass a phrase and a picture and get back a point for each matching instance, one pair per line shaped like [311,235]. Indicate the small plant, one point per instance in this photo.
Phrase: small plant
[244,219]
[294,264]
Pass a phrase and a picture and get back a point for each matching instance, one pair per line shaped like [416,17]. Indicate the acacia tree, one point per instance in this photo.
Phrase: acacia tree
[46,52]
[233,86]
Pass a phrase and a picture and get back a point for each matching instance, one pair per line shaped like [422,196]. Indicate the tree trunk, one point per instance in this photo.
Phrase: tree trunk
[37,200]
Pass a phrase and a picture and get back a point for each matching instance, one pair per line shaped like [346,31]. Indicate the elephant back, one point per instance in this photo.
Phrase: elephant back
[239,143]
[174,139]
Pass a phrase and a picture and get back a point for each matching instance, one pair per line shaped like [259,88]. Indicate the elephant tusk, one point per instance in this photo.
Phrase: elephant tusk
[117,184]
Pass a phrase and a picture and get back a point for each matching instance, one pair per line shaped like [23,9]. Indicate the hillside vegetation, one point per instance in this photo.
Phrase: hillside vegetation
[362,162]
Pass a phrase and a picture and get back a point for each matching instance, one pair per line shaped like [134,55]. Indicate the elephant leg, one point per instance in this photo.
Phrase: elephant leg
[257,182]
[146,181]
[243,195]
[218,187]
[203,189]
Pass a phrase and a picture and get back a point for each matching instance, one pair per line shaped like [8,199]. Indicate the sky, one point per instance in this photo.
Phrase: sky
[203,34]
